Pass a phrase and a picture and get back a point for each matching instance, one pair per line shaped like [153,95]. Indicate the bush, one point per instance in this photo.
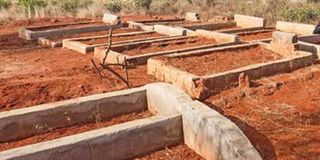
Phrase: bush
[4,4]
[72,5]
[32,4]
[114,6]
[302,14]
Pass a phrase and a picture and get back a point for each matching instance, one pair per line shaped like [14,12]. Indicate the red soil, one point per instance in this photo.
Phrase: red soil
[281,116]
[255,36]
[180,152]
[122,38]
[63,132]
[166,46]
[222,60]
[91,34]
[31,75]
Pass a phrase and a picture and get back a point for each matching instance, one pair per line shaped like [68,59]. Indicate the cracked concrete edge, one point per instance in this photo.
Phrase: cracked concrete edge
[112,143]
[22,123]
[206,131]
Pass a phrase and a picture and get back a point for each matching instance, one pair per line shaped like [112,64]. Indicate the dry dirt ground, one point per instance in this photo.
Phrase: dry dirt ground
[279,114]
[32,75]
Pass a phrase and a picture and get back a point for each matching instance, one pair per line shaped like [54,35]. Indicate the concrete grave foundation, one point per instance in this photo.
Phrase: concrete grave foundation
[202,87]
[118,57]
[177,118]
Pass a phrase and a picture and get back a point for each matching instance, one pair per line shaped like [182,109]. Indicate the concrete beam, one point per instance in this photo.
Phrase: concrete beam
[171,31]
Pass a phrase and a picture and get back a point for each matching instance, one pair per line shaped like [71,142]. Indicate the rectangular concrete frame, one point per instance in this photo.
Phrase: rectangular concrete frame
[96,144]
[205,131]
[28,34]
[148,27]
[297,28]
[200,87]
[118,57]
[76,44]
[310,43]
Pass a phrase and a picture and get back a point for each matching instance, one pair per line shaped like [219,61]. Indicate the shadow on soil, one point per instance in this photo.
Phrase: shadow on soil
[261,142]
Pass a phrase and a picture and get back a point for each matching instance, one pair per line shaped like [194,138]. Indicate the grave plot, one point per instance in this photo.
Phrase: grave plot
[241,23]
[219,67]
[95,127]
[56,41]
[139,52]
[310,43]
[33,33]
[263,35]
[88,44]
[279,114]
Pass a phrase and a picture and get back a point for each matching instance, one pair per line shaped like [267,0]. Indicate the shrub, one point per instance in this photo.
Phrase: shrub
[114,6]
[302,14]
[31,6]
[5,4]
[72,5]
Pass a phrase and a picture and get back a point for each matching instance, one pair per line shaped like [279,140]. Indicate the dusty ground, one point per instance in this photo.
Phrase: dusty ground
[180,152]
[222,60]
[166,46]
[31,75]
[63,132]
[280,114]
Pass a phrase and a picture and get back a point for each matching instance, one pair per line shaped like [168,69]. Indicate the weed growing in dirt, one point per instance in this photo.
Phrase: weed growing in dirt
[4,4]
